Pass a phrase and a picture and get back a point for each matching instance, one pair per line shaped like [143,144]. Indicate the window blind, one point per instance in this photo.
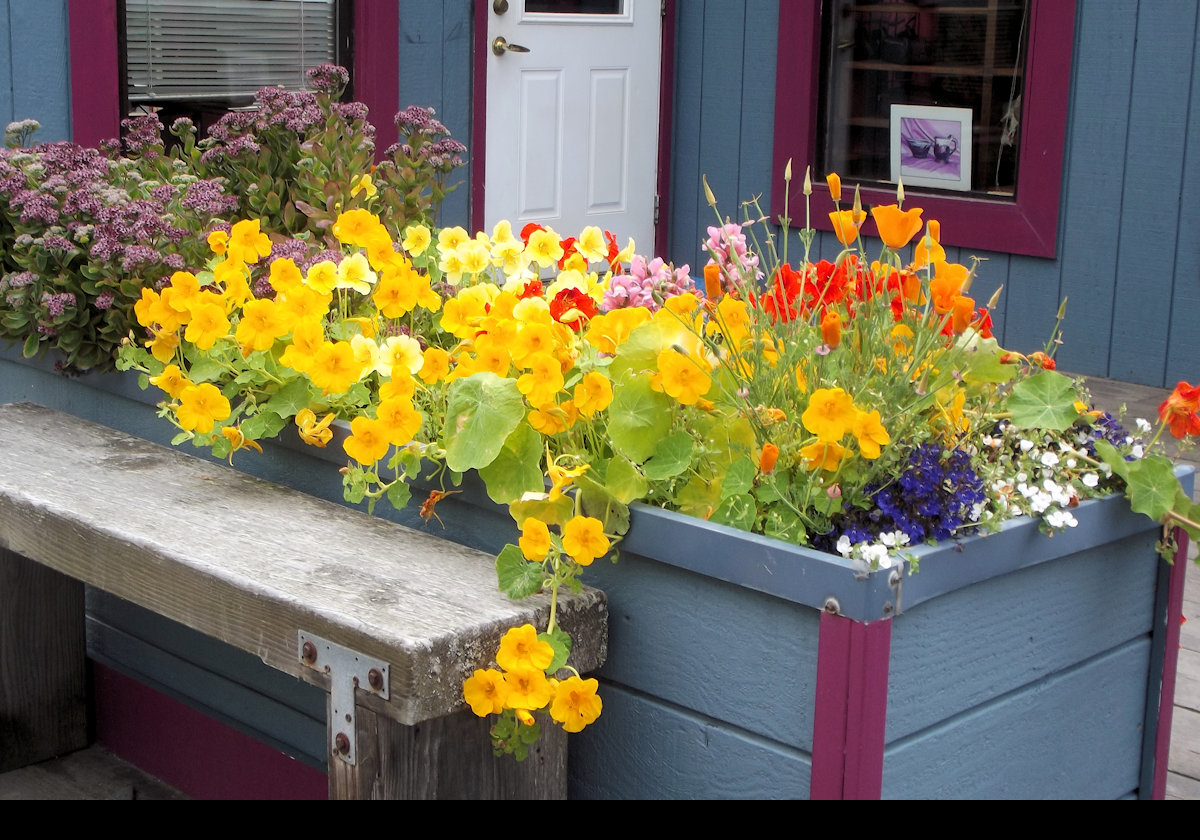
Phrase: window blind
[224,49]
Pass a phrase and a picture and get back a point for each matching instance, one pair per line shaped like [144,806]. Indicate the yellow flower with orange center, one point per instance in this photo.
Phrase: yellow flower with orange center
[400,421]
[201,407]
[435,365]
[521,646]
[486,692]
[830,414]
[593,394]
[823,455]
[312,431]
[260,326]
[868,430]
[535,540]
[416,240]
[682,377]
[528,688]
[247,243]
[583,538]
[576,703]
[208,324]
[368,441]
[544,380]
[356,227]
[333,367]
[171,380]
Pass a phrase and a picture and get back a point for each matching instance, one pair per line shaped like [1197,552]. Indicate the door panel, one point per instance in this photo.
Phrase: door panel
[572,123]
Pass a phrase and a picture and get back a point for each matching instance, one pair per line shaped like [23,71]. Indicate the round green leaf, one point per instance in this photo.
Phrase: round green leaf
[482,411]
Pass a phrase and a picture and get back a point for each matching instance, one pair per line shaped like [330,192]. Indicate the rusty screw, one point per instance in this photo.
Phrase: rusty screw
[375,678]
[308,652]
[342,744]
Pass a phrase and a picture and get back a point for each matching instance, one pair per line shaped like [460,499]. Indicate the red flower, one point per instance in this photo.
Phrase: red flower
[532,289]
[779,302]
[568,246]
[1179,410]
[528,230]
[573,308]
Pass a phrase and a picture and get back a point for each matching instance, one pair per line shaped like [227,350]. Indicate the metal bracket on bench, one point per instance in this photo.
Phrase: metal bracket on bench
[347,670]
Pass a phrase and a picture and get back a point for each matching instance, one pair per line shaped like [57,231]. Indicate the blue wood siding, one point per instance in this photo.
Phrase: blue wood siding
[1129,237]
[35,73]
[435,71]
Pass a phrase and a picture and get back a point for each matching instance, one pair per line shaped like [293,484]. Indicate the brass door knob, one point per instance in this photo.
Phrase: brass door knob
[501,46]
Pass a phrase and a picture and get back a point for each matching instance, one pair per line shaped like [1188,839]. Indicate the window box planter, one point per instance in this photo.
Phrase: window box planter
[1009,666]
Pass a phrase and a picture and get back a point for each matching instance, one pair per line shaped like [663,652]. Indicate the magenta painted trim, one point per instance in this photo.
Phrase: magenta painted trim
[1027,226]
[376,71]
[666,111]
[1166,700]
[95,75]
[190,751]
[479,114]
[850,717]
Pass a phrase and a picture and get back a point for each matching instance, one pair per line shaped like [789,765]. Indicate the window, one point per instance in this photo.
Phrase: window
[201,58]
[965,102]
[95,28]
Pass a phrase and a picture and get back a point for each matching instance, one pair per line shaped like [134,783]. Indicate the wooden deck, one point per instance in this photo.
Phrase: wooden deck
[96,774]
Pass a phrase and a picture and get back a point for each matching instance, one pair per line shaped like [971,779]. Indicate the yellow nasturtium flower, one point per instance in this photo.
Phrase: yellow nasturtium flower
[486,692]
[528,688]
[247,243]
[869,432]
[583,538]
[830,414]
[823,455]
[522,647]
[682,377]
[314,432]
[535,540]
[201,407]
[368,441]
[576,703]
[171,380]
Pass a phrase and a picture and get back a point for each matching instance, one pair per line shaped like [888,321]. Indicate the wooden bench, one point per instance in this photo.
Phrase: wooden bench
[388,620]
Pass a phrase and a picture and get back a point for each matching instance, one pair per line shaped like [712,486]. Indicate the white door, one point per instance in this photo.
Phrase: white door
[572,124]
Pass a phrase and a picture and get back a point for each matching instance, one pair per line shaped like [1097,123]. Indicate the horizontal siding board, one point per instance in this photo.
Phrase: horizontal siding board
[1185,297]
[1151,191]
[1076,735]
[968,647]
[39,66]
[757,654]
[641,748]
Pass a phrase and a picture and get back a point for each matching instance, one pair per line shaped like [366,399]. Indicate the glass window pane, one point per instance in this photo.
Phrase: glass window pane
[573,7]
[964,56]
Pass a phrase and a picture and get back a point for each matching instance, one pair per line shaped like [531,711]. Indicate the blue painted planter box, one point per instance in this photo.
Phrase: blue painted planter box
[1009,666]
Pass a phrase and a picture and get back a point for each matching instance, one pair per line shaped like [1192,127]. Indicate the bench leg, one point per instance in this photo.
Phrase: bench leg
[445,758]
[43,693]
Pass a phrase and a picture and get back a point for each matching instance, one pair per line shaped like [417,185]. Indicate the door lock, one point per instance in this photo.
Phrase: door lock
[499,6]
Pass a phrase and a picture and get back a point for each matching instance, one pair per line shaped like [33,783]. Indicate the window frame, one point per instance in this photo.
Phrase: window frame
[1027,224]
[94,32]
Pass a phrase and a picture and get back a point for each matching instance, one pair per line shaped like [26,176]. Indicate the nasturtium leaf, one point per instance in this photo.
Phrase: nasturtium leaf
[517,469]
[672,457]
[1044,401]
[1151,486]
[639,417]
[205,368]
[739,478]
[983,362]
[539,506]
[560,642]
[481,412]
[399,494]
[599,503]
[737,512]
[624,481]
[264,425]
[518,577]
[289,400]
[699,497]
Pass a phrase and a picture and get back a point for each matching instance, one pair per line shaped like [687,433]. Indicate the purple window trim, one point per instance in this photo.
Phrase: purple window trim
[1029,225]
[1166,700]
[95,86]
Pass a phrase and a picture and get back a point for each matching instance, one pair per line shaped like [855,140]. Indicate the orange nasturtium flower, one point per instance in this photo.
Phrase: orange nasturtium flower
[238,440]
[522,647]
[368,441]
[896,227]
[583,538]
[575,703]
[528,688]
[486,692]
[1179,410]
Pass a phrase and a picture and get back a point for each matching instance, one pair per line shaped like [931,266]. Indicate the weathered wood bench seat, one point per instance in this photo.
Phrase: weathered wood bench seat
[403,615]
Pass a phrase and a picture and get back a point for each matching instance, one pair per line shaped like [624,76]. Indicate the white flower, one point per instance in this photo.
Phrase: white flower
[843,546]
[1143,425]
[1090,479]
[1049,459]
[1026,445]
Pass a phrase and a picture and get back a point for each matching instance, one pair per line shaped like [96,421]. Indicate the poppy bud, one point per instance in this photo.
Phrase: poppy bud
[766,461]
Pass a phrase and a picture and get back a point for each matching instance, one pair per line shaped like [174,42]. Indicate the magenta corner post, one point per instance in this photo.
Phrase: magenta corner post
[1166,700]
[95,88]
[850,718]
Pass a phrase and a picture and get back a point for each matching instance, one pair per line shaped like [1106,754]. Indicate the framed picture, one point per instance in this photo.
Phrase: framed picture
[931,146]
